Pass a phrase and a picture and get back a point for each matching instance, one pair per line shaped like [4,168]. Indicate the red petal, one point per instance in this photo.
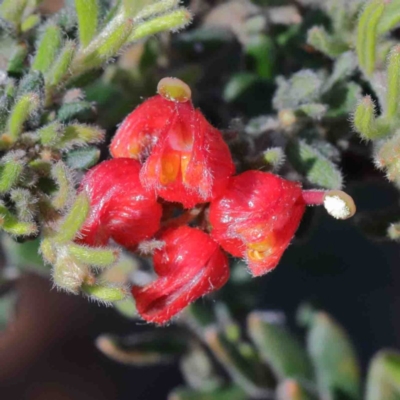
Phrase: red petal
[190,265]
[257,217]
[140,130]
[121,208]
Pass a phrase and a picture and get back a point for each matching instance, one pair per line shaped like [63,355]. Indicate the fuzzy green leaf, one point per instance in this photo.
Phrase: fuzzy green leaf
[82,158]
[303,87]
[104,292]
[143,348]
[393,84]
[10,171]
[16,63]
[321,40]
[12,10]
[248,373]
[59,69]
[88,14]
[173,21]
[238,84]
[334,359]
[278,347]
[367,35]
[157,8]
[384,376]
[198,370]
[26,205]
[10,224]
[104,46]
[47,48]
[98,257]
[25,106]
[30,22]
[74,220]
[365,121]
[63,178]
[317,168]
[74,110]
[80,135]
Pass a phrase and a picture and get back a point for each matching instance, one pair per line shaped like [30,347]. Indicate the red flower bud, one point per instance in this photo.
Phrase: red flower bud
[257,217]
[190,265]
[185,158]
[120,208]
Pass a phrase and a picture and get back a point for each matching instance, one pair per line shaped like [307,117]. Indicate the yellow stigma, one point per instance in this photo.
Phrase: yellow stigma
[259,250]
[170,166]
[174,89]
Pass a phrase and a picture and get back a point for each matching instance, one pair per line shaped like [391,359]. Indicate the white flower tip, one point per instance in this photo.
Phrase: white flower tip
[339,204]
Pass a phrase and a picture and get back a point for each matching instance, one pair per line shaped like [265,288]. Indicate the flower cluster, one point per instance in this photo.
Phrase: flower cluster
[172,179]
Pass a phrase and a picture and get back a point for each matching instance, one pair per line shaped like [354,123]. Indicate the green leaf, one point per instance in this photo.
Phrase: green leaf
[172,21]
[198,370]
[82,158]
[238,84]
[63,178]
[10,224]
[104,46]
[10,171]
[384,376]
[367,35]
[25,106]
[247,372]
[95,256]
[303,87]
[16,64]
[262,49]
[74,220]
[317,168]
[50,134]
[334,359]
[88,14]
[321,40]
[393,84]
[80,135]
[127,307]
[104,292]
[146,348]
[26,204]
[47,48]
[157,8]
[31,83]
[224,393]
[12,10]
[74,110]
[390,17]
[278,347]
[61,66]
[364,120]
[30,22]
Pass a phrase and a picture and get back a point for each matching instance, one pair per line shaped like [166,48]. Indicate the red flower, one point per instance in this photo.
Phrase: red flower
[120,208]
[190,265]
[184,158]
[257,217]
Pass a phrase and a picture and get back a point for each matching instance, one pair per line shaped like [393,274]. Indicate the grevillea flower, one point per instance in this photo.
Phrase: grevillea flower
[120,207]
[257,217]
[189,265]
[185,159]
